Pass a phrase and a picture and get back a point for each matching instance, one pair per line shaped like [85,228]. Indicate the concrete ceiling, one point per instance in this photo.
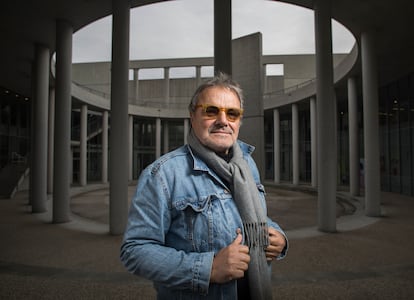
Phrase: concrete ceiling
[23,24]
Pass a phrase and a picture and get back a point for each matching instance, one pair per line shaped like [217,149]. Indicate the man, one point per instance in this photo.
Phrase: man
[198,226]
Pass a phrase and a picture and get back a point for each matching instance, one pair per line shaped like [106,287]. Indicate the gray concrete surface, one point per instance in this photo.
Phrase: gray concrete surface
[368,258]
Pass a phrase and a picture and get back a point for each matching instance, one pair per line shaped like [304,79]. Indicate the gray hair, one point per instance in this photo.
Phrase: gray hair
[221,80]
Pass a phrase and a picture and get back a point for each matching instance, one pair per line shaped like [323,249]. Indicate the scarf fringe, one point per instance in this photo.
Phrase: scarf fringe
[256,235]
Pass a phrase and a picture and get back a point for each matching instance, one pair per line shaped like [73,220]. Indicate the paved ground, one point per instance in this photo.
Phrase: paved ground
[368,258]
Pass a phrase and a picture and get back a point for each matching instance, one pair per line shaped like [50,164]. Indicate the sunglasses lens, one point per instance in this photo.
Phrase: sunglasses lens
[212,111]
[233,114]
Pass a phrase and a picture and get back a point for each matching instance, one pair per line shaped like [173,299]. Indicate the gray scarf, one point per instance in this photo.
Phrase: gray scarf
[238,175]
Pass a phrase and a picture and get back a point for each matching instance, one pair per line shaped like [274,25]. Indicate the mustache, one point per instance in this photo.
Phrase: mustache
[220,128]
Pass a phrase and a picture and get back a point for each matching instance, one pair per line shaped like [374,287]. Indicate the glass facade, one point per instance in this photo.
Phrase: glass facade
[173,137]
[143,144]
[286,143]
[396,111]
[286,146]
[396,129]
[305,153]
[14,128]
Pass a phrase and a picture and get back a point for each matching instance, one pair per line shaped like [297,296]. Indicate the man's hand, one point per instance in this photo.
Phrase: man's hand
[230,262]
[277,243]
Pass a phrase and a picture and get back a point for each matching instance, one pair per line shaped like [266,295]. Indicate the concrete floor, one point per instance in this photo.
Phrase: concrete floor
[368,258]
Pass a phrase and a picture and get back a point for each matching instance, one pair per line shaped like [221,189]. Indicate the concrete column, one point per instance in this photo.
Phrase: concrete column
[118,192]
[38,171]
[327,148]
[276,146]
[51,135]
[314,142]
[32,118]
[167,84]
[248,71]
[186,130]
[83,145]
[198,75]
[130,147]
[62,164]
[353,137]
[136,84]
[222,36]
[104,162]
[71,166]
[157,138]
[371,127]
[295,144]
[166,131]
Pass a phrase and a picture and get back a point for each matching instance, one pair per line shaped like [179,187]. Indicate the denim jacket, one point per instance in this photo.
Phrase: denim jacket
[181,215]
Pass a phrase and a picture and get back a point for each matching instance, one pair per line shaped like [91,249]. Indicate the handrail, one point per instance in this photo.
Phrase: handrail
[155,102]
[289,89]
[18,158]
[91,90]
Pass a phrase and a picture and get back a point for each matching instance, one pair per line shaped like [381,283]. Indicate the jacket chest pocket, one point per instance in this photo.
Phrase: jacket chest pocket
[196,218]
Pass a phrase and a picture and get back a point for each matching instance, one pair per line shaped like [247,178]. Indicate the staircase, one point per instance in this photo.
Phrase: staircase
[10,176]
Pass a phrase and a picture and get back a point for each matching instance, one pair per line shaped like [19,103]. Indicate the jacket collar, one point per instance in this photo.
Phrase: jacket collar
[200,165]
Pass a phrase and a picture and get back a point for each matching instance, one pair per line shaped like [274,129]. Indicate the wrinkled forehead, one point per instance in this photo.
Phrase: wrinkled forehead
[219,95]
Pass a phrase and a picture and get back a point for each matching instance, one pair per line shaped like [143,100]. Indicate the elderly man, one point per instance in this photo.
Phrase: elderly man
[198,226]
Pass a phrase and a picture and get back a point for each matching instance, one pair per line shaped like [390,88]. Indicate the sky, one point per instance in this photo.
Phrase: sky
[184,28]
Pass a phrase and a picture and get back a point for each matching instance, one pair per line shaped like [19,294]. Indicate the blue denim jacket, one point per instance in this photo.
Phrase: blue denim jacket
[181,215]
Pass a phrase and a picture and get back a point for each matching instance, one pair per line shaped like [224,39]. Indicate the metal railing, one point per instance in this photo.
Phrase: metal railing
[290,89]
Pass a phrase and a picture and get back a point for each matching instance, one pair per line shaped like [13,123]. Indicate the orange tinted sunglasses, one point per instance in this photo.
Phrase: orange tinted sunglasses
[211,112]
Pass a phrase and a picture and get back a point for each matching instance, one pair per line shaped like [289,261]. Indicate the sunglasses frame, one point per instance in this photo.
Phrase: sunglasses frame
[223,109]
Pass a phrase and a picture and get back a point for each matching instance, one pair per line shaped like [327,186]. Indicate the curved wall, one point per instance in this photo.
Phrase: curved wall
[149,98]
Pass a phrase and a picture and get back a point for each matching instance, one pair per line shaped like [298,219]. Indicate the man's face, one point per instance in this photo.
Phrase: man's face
[216,133]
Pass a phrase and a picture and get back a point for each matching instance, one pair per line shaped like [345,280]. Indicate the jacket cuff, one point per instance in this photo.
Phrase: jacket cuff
[202,271]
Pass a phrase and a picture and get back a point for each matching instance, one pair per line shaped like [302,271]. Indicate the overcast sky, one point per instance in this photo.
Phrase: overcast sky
[184,28]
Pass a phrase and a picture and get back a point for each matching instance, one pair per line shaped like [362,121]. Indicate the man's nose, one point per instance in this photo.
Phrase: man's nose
[222,118]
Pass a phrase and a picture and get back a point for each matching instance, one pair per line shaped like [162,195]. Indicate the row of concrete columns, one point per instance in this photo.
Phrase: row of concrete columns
[40,120]
[295,144]
[354,149]
[159,129]
[323,111]
[323,119]
[104,163]
[166,81]
[59,130]
[128,145]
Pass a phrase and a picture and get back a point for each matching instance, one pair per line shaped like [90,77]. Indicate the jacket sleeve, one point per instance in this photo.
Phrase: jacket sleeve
[277,227]
[143,250]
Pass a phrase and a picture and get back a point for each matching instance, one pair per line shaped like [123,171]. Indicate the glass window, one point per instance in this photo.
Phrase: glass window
[173,134]
[405,142]
[151,73]
[394,137]
[384,142]
[305,155]
[183,72]
[286,146]
[144,144]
